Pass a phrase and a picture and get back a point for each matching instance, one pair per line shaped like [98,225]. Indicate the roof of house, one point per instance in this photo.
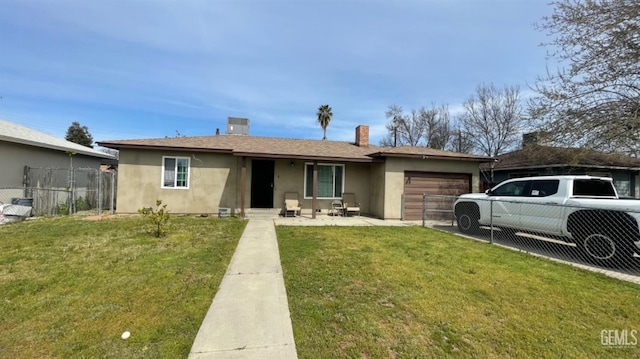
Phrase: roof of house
[273,147]
[15,133]
[424,152]
[536,156]
[12,132]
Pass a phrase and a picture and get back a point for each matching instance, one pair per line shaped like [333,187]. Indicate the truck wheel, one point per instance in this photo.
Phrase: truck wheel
[467,216]
[603,248]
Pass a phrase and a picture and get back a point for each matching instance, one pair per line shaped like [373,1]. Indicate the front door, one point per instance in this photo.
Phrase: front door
[262,184]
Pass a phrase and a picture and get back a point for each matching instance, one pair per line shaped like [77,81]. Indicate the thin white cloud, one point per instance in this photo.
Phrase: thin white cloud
[166,65]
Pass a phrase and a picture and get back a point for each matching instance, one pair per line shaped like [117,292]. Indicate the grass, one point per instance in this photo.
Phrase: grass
[384,292]
[70,287]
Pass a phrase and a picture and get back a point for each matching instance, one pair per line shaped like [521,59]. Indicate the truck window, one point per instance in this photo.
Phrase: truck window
[593,188]
[517,188]
[543,188]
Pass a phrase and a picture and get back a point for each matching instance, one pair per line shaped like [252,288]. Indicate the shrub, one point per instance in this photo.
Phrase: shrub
[82,204]
[158,217]
[63,209]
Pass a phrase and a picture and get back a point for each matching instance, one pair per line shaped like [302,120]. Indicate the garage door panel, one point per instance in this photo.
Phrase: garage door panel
[409,197]
[433,183]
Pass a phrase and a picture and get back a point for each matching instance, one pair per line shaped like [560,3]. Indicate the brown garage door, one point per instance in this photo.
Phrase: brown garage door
[432,183]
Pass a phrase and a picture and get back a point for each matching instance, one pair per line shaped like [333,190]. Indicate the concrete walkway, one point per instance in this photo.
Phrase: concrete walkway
[249,316]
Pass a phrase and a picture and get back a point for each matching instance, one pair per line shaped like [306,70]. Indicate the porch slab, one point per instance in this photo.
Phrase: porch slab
[326,220]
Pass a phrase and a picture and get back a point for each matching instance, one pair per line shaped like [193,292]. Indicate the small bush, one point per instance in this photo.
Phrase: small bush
[82,204]
[63,209]
[158,218]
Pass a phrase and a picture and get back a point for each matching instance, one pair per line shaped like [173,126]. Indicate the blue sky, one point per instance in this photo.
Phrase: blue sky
[143,69]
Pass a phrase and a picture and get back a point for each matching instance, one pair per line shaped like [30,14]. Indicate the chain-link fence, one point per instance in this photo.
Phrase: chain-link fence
[61,191]
[602,237]
[44,201]
[438,208]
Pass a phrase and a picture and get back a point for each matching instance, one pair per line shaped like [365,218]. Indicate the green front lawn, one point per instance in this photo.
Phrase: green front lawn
[70,287]
[385,292]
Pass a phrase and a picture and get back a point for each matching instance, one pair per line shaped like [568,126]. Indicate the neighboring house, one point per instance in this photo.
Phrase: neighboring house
[539,160]
[203,174]
[22,147]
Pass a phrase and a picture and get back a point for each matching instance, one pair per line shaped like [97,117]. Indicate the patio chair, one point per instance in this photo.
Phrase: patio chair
[349,204]
[336,208]
[292,204]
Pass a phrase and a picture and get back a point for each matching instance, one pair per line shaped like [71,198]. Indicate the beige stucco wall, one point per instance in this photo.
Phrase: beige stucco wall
[212,183]
[394,178]
[376,189]
[358,181]
[15,156]
[288,179]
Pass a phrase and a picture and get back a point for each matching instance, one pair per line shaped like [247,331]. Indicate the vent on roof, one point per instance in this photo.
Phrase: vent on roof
[237,126]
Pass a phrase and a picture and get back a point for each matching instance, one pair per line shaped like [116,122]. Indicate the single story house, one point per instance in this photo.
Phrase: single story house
[203,174]
[540,160]
[22,148]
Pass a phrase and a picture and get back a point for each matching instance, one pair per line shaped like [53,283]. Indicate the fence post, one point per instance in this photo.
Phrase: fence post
[74,190]
[453,210]
[99,192]
[25,182]
[424,209]
[72,199]
[491,220]
[113,197]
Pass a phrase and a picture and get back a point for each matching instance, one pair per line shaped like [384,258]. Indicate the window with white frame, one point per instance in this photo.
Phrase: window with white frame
[175,172]
[330,180]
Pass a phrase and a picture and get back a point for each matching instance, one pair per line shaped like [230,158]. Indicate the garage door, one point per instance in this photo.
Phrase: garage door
[432,183]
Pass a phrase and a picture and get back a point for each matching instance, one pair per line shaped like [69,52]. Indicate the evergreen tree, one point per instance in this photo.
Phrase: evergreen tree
[79,134]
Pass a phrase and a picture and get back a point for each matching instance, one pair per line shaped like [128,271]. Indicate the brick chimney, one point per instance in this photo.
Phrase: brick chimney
[535,138]
[362,136]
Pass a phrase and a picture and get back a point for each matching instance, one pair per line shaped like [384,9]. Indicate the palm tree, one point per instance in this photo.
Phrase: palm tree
[324,117]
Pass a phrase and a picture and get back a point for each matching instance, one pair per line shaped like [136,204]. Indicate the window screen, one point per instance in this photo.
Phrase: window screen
[330,181]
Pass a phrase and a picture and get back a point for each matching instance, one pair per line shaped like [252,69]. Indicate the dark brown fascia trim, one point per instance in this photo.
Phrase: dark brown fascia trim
[306,158]
[419,156]
[230,151]
[162,148]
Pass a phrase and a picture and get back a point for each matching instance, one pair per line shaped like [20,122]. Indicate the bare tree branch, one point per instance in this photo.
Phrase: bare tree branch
[595,100]
[427,127]
[493,118]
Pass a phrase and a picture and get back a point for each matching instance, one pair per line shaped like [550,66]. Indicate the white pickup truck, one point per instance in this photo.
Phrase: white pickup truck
[583,210]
